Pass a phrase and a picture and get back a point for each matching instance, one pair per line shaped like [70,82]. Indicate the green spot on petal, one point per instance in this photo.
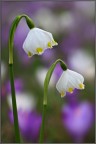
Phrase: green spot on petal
[29,54]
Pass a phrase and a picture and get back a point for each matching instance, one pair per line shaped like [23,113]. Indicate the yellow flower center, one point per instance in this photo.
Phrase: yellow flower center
[29,54]
[70,90]
[49,45]
[81,86]
[62,94]
[39,50]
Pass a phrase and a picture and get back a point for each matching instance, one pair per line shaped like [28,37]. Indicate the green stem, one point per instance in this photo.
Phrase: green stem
[46,83]
[16,126]
[42,127]
[11,41]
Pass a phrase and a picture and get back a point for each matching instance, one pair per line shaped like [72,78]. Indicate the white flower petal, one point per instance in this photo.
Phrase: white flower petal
[62,82]
[76,75]
[33,41]
[37,41]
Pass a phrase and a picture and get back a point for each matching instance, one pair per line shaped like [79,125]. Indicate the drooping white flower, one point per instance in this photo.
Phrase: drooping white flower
[68,81]
[25,101]
[37,41]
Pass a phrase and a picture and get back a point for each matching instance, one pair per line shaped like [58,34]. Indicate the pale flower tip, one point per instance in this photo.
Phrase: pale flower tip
[70,90]
[54,42]
[39,50]
[81,86]
[30,54]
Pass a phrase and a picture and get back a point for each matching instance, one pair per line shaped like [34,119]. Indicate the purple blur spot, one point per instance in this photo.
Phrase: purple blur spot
[78,120]
[29,123]
[18,85]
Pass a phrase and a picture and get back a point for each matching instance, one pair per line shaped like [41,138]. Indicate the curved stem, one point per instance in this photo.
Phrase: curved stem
[42,127]
[11,40]
[46,83]
[48,77]
[12,32]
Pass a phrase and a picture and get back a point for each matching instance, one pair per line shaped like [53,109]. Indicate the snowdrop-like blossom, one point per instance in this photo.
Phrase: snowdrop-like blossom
[68,81]
[37,41]
[24,101]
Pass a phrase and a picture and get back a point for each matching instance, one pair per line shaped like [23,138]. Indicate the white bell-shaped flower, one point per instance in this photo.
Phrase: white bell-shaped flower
[37,41]
[68,81]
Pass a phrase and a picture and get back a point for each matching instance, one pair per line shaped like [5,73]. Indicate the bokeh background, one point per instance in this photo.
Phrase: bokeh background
[68,119]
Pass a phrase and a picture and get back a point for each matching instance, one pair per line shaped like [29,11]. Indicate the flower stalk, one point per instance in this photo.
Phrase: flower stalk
[11,41]
[12,32]
[46,84]
[16,125]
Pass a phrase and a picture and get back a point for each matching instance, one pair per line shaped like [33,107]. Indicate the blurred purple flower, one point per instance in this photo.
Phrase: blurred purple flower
[82,33]
[70,43]
[18,86]
[72,98]
[29,119]
[29,123]
[89,33]
[77,119]
[49,54]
